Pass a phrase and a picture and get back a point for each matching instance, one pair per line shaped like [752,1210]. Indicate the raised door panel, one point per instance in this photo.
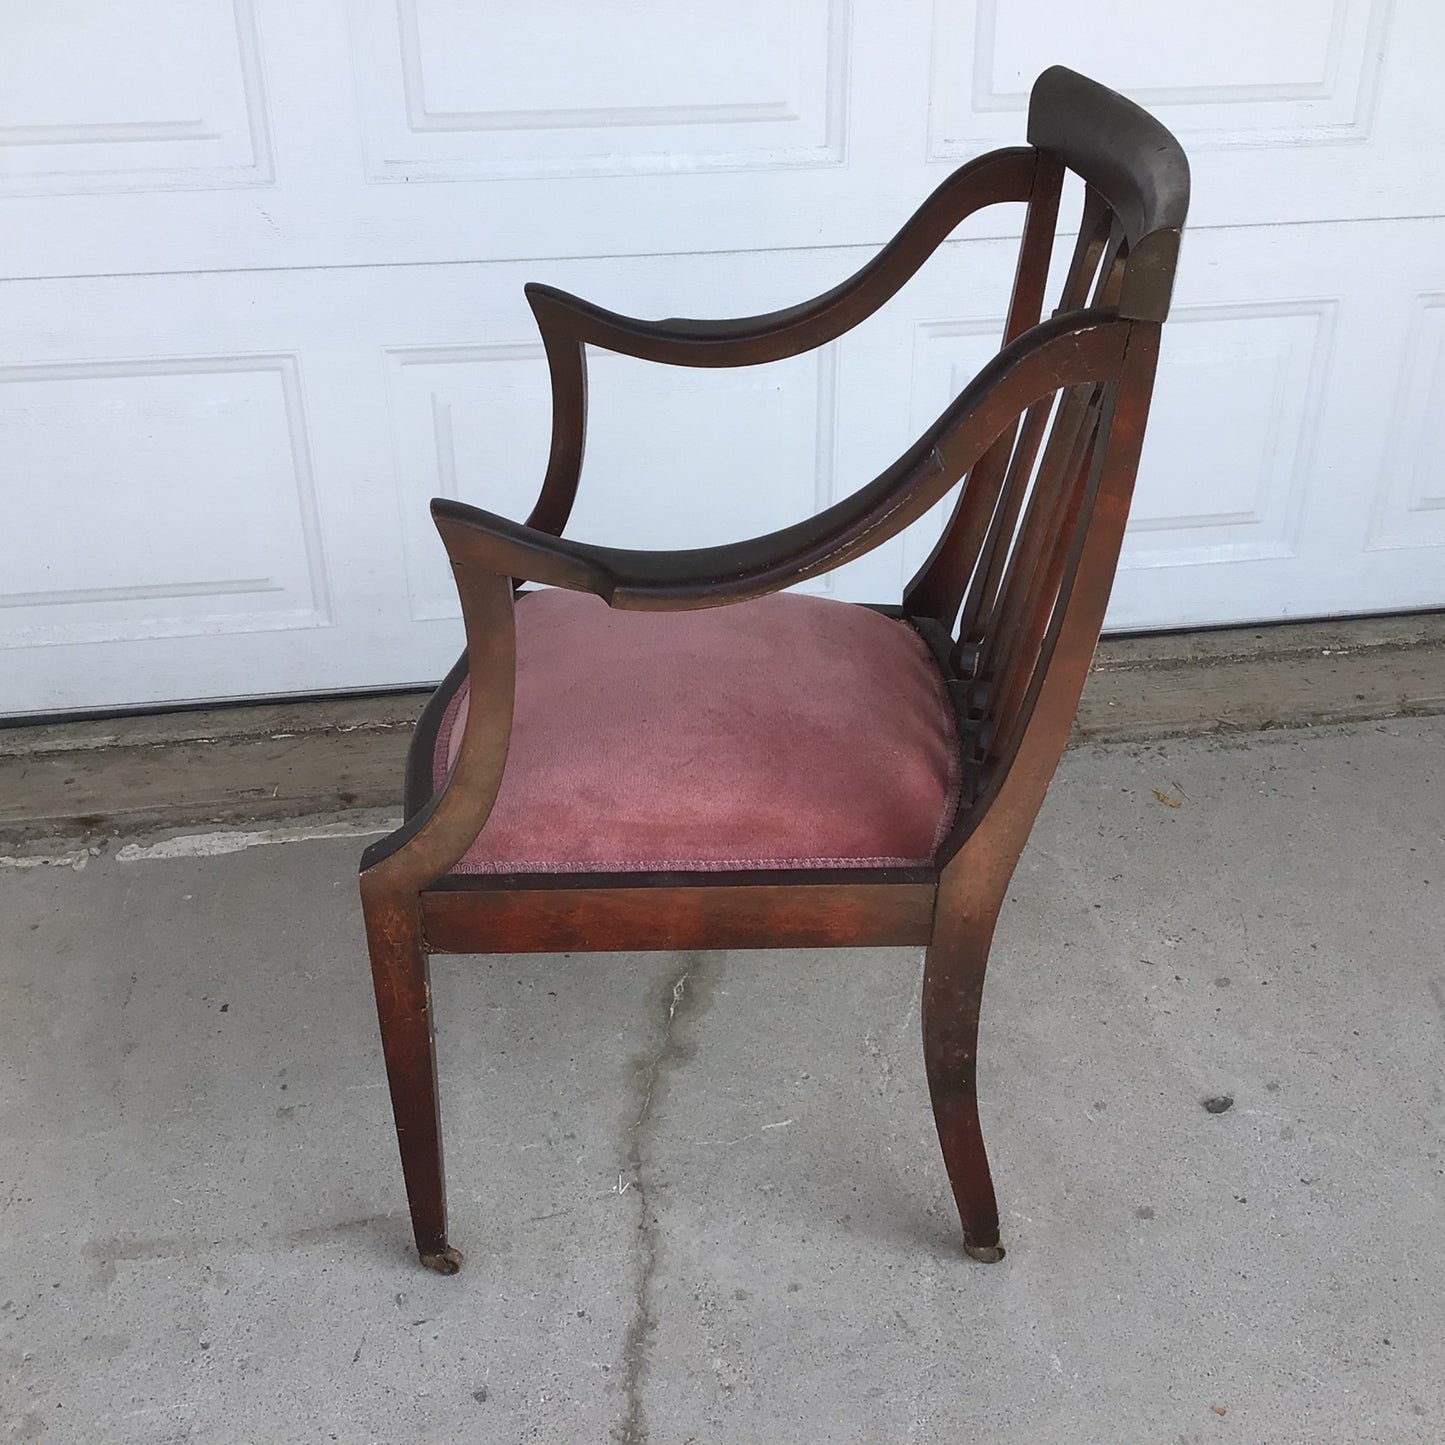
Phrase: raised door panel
[97,99]
[1410,509]
[427,131]
[254,521]
[676,458]
[1293,461]
[252,368]
[374,132]
[450,91]
[1299,110]
[161,497]
[1286,472]
[1233,491]
[1229,74]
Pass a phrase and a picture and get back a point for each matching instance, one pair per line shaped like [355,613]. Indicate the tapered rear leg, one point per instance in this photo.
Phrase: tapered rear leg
[952,993]
[400,973]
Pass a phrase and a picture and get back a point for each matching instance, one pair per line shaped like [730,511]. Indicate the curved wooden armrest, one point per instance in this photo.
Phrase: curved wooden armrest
[1082,346]
[569,324]
[1002,175]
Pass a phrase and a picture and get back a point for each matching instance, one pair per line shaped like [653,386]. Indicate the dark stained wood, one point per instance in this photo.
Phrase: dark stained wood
[953,974]
[522,919]
[1001,515]
[1043,594]
[567,370]
[1002,175]
[1115,257]
[1043,445]
[434,839]
[1095,225]
[937,588]
[400,978]
[1024,762]
[418,789]
[1048,520]
[1036,247]
[1133,162]
[1060,352]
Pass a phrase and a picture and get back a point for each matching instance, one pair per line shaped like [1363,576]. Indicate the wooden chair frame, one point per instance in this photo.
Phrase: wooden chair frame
[1046,442]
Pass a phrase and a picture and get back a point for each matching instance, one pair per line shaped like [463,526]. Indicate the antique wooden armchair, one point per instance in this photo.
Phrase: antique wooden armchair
[784,770]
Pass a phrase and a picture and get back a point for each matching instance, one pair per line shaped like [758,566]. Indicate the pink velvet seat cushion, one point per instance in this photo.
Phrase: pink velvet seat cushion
[779,733]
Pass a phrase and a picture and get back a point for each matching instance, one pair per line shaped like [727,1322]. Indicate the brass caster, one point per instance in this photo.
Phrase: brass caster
[445,1261]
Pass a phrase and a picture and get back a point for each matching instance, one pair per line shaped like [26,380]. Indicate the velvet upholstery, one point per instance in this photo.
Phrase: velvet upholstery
[788,731]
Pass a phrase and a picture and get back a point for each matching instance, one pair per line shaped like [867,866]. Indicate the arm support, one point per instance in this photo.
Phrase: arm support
[1084,346]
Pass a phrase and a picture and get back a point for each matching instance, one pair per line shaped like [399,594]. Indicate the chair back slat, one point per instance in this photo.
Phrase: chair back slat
[1036,246]
[1023,512]
[937,588]
[1003,512]
[1096,256]
[1053,488]
[966,566]
[1095,226]
[1110,279]
[1018,691]
[1015,647]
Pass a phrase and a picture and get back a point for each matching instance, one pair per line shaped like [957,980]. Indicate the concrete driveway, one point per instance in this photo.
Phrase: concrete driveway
[727,1222]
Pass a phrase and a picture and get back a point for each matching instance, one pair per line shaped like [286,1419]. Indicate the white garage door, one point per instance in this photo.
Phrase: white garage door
[264,265]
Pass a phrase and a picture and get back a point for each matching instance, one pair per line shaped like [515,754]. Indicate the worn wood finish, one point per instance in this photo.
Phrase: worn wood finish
[1043,445]
[677,914]
[418,789]
[401,979]
[937,588]
[1095,224]
[1136,166]
[1061,352]
[1031,584]
[568,324]
[953,974]
[1003,175]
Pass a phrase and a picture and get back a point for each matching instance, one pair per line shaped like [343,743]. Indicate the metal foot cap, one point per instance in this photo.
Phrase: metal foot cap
[984,1253]
[445,1261]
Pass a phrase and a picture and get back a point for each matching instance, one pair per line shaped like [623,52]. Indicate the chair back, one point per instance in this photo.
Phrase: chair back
[1054,487]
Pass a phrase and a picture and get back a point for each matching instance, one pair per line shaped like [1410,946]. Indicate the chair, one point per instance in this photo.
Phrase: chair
[611,767]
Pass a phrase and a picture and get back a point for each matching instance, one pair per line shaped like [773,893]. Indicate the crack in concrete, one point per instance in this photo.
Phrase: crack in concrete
[632,1428]
[128,1038]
